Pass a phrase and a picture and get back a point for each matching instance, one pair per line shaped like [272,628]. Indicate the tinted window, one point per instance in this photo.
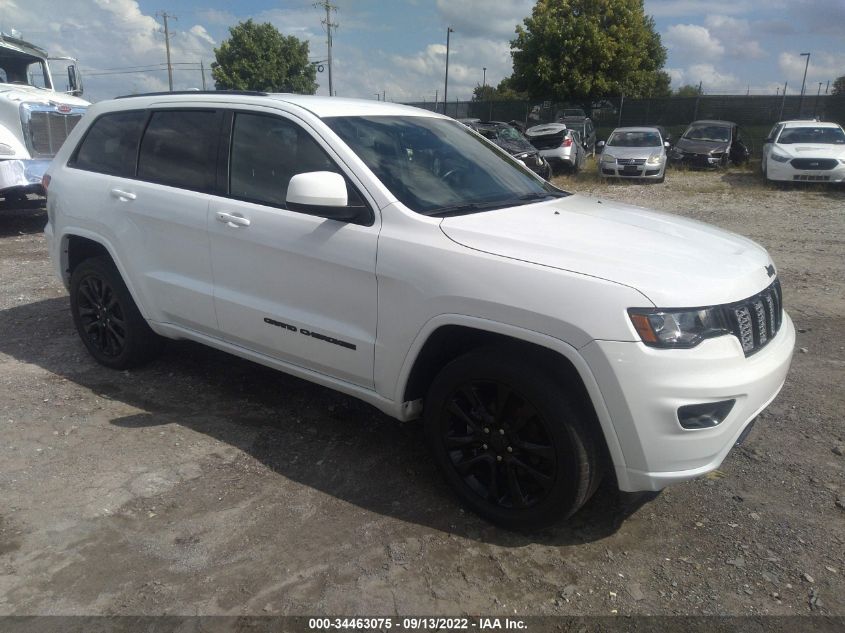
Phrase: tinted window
[111,144]
[180,149]
[812,135]
[266,153]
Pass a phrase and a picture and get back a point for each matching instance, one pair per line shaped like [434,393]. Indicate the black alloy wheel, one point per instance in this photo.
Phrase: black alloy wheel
[508,441]
[106,317]
[101,316]
[498,443]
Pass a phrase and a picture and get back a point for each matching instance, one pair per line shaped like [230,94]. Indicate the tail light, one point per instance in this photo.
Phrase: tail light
[45,181]
[567,142]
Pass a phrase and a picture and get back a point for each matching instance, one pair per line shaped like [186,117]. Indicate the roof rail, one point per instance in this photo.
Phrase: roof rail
[248,93]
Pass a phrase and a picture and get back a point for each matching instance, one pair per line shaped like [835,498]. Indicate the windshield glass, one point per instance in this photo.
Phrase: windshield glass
[716,133]
[507,133]
[439,167]
[23,70]
[812,135]
[634,139]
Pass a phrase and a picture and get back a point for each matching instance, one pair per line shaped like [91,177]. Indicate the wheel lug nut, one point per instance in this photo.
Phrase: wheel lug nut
[498,458]
[510,449]
[486,429]
[501,431]
[484,446]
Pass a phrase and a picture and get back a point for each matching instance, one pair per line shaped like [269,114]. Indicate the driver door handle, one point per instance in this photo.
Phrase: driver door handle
[123,195]
[232,220]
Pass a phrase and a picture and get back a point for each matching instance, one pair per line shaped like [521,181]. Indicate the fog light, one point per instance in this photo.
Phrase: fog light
[705,415]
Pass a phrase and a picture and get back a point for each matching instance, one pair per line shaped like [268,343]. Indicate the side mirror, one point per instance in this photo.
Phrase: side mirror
[770,139]
[599,146]
[322,193]
[74,81]
[666,144]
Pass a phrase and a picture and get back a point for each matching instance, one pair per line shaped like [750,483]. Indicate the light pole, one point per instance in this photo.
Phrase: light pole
[484,80]
[803,83]
[816,104]
[449,31]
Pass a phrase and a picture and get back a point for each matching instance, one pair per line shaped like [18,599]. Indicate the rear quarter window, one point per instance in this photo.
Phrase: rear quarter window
[179,149]
[110,146]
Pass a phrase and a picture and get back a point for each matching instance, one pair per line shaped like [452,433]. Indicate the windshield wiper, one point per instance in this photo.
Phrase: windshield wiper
[541,196]
[462,209]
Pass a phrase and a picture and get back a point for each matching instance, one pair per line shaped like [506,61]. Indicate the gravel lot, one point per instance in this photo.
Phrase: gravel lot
[203,484]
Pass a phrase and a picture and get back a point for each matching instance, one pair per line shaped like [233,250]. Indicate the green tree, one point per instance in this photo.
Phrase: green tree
[585,50]
[687,91]
[259,57]
[839,86]
[502,92]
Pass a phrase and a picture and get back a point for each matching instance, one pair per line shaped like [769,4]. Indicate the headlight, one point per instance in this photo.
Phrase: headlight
[781,158]
[678,328]
[654,159]
[607,158]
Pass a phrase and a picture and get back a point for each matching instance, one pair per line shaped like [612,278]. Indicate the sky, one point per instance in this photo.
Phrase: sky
[397,48]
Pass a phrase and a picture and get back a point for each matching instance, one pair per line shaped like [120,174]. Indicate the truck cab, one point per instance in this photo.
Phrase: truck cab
[36,115]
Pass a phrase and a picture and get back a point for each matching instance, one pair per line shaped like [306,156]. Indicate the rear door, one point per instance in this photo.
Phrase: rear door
[166,208]
[297,287]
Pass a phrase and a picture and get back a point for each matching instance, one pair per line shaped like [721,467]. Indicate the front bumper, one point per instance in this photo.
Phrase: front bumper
[645,172]
[22,174]
[643,388]
[786,172]
[696,160]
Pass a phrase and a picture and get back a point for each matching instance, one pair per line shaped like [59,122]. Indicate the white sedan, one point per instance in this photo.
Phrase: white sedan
[805,151]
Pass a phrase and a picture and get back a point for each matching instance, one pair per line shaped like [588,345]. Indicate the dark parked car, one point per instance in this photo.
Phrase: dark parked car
[710,144]
[514,143]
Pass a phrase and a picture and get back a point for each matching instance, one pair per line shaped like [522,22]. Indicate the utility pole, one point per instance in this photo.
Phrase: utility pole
[449,31]
[484,80]
[803,83]
[164,16]
[202,70]
[816,104]
[329,7]
[783,101]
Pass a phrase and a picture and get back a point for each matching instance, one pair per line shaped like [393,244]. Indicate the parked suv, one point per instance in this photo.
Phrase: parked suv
[546,339]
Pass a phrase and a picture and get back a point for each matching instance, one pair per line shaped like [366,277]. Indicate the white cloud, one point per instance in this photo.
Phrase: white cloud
[692,41]
[823,66]
[735,35]
[711,78]
[678,8]
[482,18]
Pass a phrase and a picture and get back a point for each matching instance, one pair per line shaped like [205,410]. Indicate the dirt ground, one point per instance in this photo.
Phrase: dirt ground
[204,484]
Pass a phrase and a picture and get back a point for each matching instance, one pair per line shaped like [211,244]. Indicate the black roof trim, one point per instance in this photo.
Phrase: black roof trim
[248,93]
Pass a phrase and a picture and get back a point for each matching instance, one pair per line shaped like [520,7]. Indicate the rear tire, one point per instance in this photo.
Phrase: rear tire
[106,317]
[509,441]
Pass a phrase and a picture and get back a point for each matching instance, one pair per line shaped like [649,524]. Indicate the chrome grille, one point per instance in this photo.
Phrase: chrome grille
[630,161]
[48,130]
[756,320]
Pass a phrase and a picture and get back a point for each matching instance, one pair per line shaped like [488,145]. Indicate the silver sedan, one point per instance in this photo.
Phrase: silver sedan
[634,152]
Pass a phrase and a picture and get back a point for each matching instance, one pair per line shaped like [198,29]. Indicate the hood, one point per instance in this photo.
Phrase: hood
[632,152]
[31,94]
[812,150]
[673,261]
[701,147]
[547,128]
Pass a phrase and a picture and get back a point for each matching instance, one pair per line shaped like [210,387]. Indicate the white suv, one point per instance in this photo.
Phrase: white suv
[547,339]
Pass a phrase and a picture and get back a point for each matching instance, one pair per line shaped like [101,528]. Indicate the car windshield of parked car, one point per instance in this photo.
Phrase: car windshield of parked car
[507,133]
[715,133]
[824,135]
[634,139]
[439,167]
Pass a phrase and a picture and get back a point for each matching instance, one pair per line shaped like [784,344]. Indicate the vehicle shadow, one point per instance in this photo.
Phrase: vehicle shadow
[22,218]
[752,178]
[309,434]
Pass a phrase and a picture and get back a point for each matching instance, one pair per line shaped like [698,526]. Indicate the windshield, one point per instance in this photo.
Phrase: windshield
[812,135]
[507,133]
[439,167]
[715,133]
[21,69]
[634,139]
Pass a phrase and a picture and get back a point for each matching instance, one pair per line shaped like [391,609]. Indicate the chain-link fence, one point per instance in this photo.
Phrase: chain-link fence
[756,114]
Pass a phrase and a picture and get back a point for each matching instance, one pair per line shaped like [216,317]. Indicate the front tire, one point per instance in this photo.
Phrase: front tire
[106,317]
[511,444]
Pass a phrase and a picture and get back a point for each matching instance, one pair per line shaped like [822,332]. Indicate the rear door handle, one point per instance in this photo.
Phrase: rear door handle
[232,220]
[123,195]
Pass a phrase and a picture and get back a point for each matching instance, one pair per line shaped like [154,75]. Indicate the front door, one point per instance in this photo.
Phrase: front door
[296,287]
